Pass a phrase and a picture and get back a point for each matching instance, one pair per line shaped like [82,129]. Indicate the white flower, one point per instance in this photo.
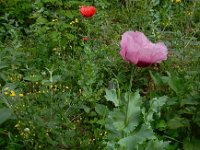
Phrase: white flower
[26,130]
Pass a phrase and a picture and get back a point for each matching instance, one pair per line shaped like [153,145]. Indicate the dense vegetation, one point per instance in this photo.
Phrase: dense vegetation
[64,85]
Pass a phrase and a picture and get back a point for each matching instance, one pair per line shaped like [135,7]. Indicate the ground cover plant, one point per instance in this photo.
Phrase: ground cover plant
[67,81]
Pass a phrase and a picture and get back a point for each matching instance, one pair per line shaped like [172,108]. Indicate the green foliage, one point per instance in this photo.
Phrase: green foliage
[5,114]
[59,91]
[129,125]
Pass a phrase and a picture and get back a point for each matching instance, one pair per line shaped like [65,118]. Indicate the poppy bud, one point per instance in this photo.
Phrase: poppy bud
[84,39]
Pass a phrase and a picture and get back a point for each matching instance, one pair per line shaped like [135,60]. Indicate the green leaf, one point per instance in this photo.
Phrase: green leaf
[3,66]
[156,145]
[33,78]
[115,121]
[192,144]
[155,107]
[189,101]
[5,114]
[133,105]
[197,119]
[111,95]
[174,83]
[156,78]
[133,110]
[85,108]
[41,20]
[132,142]
[161,124]
[177,122]
[101,109]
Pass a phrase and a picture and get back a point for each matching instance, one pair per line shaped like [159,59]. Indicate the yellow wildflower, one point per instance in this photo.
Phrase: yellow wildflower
[6,93]
[17,125]
[178,1]
[12,93]
[71,22]
[76,20]
[6,89]
[21,94]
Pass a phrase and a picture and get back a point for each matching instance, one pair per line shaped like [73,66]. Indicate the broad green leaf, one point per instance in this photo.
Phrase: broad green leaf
[5,114]
[156,145]
[111,95]
[132,142]
[115,121]
[133,110]
[101,109]
[177,122]
[133,105]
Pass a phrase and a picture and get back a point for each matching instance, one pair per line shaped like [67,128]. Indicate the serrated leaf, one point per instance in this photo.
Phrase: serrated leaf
[5,114]
[111,95]
[132,142]
[156,145]
[155,107]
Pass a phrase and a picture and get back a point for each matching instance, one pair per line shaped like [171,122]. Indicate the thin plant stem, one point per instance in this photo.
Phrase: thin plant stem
[129,93]
[131,79]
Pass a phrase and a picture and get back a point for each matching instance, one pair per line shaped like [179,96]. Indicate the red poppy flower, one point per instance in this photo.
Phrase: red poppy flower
[87,11]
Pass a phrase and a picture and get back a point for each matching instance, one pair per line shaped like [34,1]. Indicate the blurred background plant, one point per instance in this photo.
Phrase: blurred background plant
[53,82]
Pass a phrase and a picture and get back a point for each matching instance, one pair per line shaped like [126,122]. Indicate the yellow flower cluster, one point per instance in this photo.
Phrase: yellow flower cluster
[11,92]
[24,132]
[75,21]
[178,1]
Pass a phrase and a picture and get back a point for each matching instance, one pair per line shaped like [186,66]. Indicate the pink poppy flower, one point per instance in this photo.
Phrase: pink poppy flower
[137,49]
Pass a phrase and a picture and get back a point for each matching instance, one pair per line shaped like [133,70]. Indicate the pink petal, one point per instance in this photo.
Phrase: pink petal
[139,50]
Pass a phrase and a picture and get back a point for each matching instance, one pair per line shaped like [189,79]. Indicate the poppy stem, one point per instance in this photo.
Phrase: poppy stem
[131,79]
[133,68]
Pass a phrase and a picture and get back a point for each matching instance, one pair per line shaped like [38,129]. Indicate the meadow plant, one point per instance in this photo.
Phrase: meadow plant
[64,84]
